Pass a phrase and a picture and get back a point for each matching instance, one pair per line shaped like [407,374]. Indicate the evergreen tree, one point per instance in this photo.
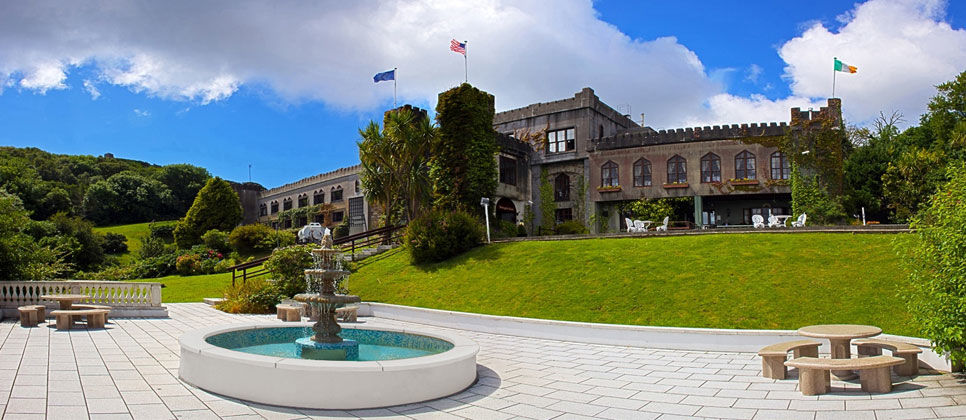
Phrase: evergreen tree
[463,167]
[216,207]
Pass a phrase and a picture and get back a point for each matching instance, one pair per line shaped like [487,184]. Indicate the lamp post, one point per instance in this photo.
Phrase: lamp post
[485,202]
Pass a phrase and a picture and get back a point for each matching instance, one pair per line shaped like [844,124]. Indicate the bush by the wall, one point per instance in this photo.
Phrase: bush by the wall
[217,240]
[936,262]
[287,266]
[114,243]
[438,235]
[255,296]
[247,239]
[570,227]
[342,229]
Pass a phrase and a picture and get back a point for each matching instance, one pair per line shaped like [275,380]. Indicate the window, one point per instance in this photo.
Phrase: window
[609,175]
[600,131]
[262,210]
[318,197]
[358,187]
[710,168]
[303,200]
[677,170]
[274,207]
[561,140]
[745,165]
[337,216]
[563,215]
[303,220]
[336,194]
[561,188]
[508,170]
[642,173]
[780,169]
[287,204]
[287,224]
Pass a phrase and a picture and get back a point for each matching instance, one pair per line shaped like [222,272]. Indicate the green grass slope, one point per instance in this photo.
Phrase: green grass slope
[135,233]
[719,281]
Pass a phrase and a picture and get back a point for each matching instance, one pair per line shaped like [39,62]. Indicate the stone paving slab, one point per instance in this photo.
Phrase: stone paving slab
[130,371]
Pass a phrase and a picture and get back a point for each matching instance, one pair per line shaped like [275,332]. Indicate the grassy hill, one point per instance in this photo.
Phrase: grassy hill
[135,233]
[720,281]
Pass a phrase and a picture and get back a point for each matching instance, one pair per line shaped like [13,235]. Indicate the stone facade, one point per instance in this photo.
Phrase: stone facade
[336,188]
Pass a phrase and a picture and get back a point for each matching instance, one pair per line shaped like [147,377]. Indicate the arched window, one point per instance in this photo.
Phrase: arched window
[677,170]
[287,203]
[609,175]
[642,173]
[263,209]
[336,194]
[274,207]
[780,169]
[561,188]
[745,165]
[600,132]
[303,200]
[318,197]
[710,168]
[358,186]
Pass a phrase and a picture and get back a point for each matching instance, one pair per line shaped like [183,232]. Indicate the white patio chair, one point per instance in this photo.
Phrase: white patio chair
[640,226]
[630,225]
[774,222]
[758,221]
[663,228]
[800,222]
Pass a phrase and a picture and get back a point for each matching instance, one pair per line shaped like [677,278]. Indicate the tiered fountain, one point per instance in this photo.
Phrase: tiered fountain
[326,344]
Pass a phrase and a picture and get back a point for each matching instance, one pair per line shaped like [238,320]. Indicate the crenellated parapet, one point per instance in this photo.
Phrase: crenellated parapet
[639,138]
[349,170]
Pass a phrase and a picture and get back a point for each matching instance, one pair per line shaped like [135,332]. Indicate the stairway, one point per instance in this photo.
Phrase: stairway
[368,252]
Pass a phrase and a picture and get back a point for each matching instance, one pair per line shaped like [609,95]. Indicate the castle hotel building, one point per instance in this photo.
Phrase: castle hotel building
[596,159]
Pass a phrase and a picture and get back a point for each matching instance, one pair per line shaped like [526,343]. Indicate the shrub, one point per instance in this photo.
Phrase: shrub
[936,262]
[248,239]
[188,264]
[217,240]
[255,296]
[114,243]
[280,239]
[570,227]
[216,207]
[521,231]
[161,265]
[287,266]
[151,247]
[438,235]
[342,229]
[162,231]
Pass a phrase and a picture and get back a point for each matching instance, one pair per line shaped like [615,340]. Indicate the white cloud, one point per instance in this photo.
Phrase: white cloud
[142,113]
[92,89]
[323,51]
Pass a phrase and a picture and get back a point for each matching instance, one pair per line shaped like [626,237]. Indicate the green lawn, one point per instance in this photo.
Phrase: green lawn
[192,288]
[720,281]
[134,233]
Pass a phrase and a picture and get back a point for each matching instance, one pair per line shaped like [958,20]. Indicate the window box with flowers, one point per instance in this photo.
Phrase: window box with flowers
[609,188]
[676,185]
[744,181]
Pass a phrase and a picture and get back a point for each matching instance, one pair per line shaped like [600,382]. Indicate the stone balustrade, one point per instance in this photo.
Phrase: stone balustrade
[126,299]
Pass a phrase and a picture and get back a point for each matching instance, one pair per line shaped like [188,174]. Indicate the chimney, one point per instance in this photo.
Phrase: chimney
[642,119]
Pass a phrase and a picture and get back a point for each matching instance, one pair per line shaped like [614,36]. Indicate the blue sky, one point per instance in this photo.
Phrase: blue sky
[286,86]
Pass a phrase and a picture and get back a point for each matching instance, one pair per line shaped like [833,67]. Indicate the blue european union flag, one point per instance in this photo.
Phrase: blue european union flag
[384,76]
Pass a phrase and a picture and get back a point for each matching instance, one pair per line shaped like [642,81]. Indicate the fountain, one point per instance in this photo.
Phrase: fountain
[363,367]
[326,343]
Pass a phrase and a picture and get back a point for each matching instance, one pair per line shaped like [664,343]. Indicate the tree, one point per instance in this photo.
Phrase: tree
[21,256]
[395,161]
[184,181]
[216,207]
[127,197]
[866,165]
[463,167]
[936,263]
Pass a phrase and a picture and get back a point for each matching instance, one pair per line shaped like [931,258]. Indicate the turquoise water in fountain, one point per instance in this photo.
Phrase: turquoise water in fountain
[374,345]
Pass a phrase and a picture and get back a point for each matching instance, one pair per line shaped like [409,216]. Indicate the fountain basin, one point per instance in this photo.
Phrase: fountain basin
[210,361]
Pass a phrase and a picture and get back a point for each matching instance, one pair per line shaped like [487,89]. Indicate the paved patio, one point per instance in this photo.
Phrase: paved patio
[130,370]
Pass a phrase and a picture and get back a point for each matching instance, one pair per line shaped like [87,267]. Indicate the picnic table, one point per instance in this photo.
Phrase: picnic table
[840,340]
[783,218]
[66,301]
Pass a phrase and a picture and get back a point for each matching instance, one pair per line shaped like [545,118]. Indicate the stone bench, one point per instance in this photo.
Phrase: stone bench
[906,351]
[773,357]
[874,372]
[347,313]
[82,306]
[95,317]
[289,313]
[30,315]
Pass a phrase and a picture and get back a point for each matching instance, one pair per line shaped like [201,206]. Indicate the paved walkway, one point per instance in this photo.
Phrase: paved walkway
[130,370]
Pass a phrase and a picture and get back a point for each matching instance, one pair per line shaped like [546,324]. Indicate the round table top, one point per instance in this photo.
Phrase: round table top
[840,331]
[65,297]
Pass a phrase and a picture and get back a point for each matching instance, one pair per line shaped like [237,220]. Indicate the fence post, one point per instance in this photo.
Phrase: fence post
[156,294]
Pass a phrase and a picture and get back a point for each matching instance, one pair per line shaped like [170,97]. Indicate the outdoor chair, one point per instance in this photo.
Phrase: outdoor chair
[758,221]
[640,226]
[630,225]
[663,228]
[800,222]
[773,222]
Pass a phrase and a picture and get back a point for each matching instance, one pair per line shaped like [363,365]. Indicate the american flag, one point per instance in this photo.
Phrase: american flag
[457,46]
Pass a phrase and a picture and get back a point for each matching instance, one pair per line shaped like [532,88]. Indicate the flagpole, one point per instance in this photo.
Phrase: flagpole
[466,74]
[394,87]
[833,75]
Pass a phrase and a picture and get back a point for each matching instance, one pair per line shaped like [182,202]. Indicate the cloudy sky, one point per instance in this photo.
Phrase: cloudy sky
[284,86]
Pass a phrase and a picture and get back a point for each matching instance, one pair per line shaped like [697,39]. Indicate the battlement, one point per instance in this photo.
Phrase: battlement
[415,110]
[831,112]
[637,138]
[583,99]
[349,170]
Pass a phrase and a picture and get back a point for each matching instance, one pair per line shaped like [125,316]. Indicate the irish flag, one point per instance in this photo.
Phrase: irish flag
[840,66]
